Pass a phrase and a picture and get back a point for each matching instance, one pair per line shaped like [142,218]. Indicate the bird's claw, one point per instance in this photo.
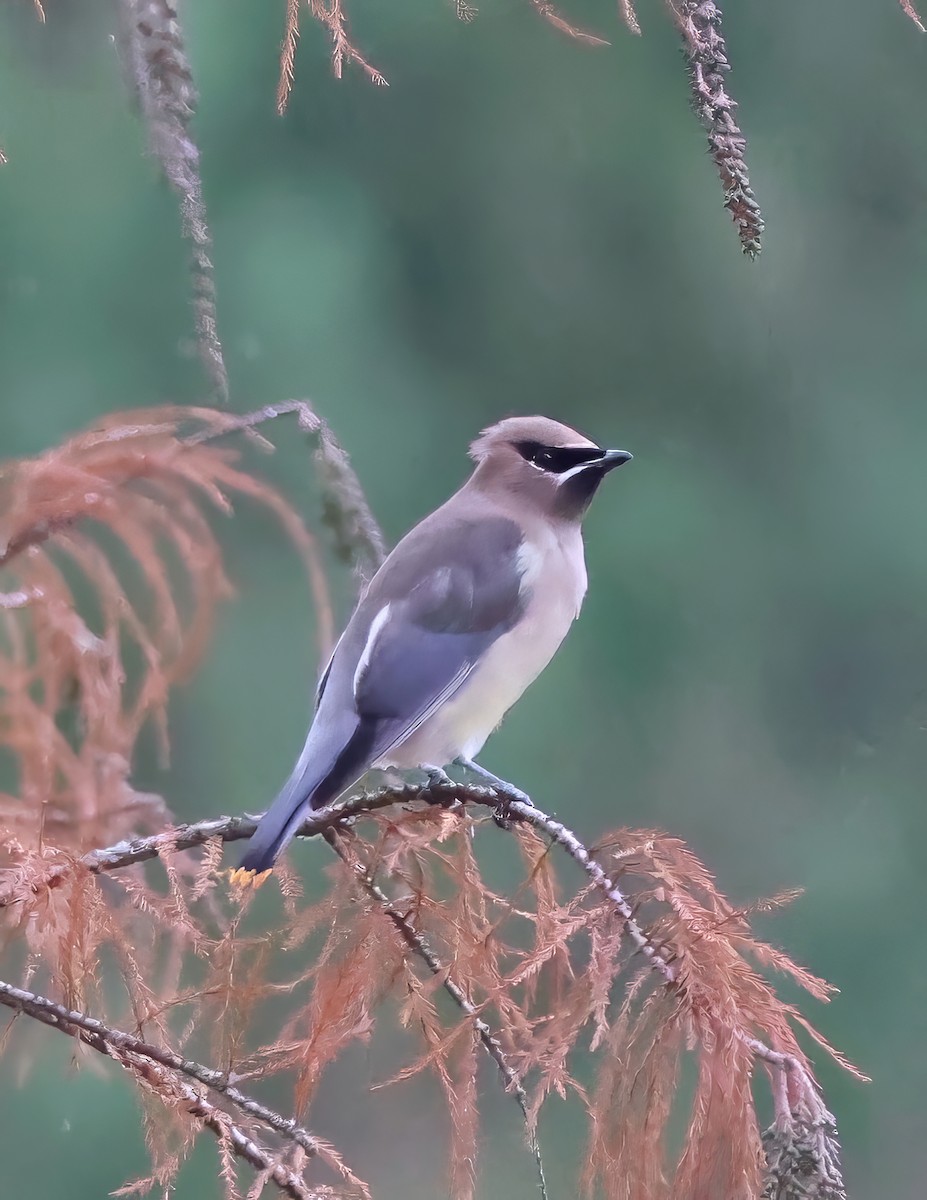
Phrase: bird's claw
[437,777]
[509,795]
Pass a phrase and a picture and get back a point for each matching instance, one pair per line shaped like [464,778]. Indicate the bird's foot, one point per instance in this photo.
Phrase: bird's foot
[508,793]
[438,778]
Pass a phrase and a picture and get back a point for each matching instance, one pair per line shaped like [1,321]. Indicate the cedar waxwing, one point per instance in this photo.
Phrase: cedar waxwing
[468,609]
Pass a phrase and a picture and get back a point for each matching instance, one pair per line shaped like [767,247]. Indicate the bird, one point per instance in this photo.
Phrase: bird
[465,612]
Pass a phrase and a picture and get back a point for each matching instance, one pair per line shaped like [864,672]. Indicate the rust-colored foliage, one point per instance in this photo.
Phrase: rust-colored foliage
[108,558]
[111,575]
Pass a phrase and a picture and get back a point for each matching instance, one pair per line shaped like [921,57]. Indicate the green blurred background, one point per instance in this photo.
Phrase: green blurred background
[519,224]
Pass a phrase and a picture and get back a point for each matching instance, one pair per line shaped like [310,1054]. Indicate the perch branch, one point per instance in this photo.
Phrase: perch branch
[804,1130]
[233,829]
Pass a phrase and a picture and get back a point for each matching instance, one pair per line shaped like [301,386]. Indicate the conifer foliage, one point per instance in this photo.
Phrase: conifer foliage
[599,979]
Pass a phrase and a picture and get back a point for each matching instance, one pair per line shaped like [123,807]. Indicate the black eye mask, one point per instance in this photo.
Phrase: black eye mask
[557,459]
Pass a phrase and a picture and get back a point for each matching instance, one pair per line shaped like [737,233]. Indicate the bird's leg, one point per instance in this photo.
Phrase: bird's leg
[508,792]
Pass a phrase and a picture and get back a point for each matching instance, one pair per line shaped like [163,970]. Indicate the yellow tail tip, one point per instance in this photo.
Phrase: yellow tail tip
[241,877]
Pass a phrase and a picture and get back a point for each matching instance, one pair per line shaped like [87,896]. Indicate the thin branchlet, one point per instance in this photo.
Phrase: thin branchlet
[699,22]
[911,11]
[162,80]
[346,512]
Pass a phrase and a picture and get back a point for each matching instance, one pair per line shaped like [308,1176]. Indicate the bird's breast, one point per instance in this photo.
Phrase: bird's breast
[553,584]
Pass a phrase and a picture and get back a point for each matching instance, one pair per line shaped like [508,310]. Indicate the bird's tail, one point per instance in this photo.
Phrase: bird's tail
[314,783]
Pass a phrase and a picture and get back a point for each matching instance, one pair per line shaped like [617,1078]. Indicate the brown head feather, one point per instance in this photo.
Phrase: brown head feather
[526,489]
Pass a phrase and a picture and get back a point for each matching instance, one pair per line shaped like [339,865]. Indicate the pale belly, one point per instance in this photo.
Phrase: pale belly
[463,723]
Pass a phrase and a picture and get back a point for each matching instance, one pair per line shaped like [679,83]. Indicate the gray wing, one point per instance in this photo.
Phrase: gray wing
[434,616]
[444,595]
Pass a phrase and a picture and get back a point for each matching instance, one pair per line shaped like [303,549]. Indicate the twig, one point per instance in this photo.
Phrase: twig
[549,12]
[344,506]
[911,11]
[219,1123]
[288,55]
[163,82]
[115,1043]
[418,945]
[19,599]
[699,22]
[802,1152]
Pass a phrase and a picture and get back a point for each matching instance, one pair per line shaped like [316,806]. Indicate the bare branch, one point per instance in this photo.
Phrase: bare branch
[219,1123]
[114,1043]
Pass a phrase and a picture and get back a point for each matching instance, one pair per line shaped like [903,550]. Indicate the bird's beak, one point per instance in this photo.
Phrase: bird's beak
[613,458]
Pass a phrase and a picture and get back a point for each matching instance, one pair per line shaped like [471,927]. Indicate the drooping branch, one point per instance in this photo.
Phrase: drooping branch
[127,1049]
[699,22]
[420,947]
[167,97]
[356,533]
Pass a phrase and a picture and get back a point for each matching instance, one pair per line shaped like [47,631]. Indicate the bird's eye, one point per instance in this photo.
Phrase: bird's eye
[542,457]
[556,459]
